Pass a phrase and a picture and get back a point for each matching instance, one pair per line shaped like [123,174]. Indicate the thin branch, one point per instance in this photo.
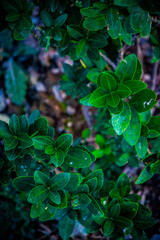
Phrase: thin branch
[109,61]
[154,76]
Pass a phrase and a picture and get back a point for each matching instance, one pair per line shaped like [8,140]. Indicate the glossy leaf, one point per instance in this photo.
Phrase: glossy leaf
[108,228]
[98,98]
[141,147]
[24,184]
[59,181]
[121,121]
[38,194]
[40,178]
[64,142]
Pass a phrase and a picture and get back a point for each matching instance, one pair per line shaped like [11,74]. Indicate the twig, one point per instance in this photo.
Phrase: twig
[88,116]
[154,76]
[109,61]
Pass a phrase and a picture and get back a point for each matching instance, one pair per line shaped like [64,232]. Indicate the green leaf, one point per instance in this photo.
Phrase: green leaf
[123,222]
[38,194]
[139,17]
[59,181]
[40,178]
[123,159]
[124,185]
[24,184]
[92,184]
[126,3]
[58,158]
[121,121]
[114,24]
[39,127]
[41,142]
[16,83]
[129,209]
[46,18]
[141,146]
[85,100]
[49,212]
[14,125]
[55,197]
[13,154]
[84,199]
[10,143]
[88,12]
[81,48]
[95,23]
[73,183]
[144,176]
[4,130]
[123,91]
[127,68]
[118,109]
[115,210]
[75,31]
[97,41]
[145,117]
[98,98]
[37,209]
[133,131]
[108,228]
[64,142]
[34,116]
[59,21]
[66,226]
[113,99]
[138,72]
[107,81]
[50,149]
[86,133]
[143,100]
[23,124]
[94,207]
[154,123]
[78,157]
[99,176]
[135,86]
[115,193]
[24,140]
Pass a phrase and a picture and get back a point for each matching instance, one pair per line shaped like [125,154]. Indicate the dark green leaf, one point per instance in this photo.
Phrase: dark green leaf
[64,142]
[98,98]
[23,124]
[113,99]
[55,197]
[81,48]
[58,158]
[49,212]
[14,125]
[144,176]
[114,24]
[59,21]
[141,146]
[24,140]
[75,31]
[24,184]
[59,181]
[123,91]
[123,222]
[66,226]
[41,142]
[94,23]
[115,210]
[107,81]
[4,130]
[38,194]
[135,86]
[124,185]
[40,178]
[108,228]
[129,209]
[46,18]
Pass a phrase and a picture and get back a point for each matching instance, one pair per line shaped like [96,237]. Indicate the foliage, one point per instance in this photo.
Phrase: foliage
[61,178]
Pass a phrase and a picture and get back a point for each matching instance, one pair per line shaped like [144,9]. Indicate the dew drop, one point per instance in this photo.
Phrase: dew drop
[71,163]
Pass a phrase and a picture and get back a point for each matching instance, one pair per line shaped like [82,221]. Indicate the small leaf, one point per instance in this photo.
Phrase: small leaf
[115,210]
[25,140]
[14,125]
[55,197]
[41,142]
[37,209]
[78,157]
[66,226]
[10,143]
[58,158]
[135,86]
[107,81]
[49,212]
[46,18]
[34,116]
[59,181]
[23,124]
[64,142]
[124,184]
[98,98]
[132,133]
[113,99]
[73,183]
[81,48]
[4,130]
[108,228]
[24,184]
[75,31]
[121,121]
[40,178]
[145,175]
[59,21]
[141,147]
[129,209]
[123,222]
[123,91]
[38,194]
[114,24]
[94,23]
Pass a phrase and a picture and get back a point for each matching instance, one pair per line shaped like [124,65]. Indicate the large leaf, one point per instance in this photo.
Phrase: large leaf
[107,81]
[16,83]
[98,98]
[126,3]
[78,157]
[59,181]
[127,68]
[135,85]
[121,121]
[94,23]
[114,24]
[4,130]
[108,228]
[38,194]
[144,176]
[124,185]
[64,142]
[66,226]
[141,147]
[144,100]
[14,125]
[132,133]
[139,17]
[24,184]
[81,48]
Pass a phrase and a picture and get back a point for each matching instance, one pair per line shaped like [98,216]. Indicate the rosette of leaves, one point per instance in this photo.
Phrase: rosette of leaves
[19,17]
[74,81]
[123,211]
[53,30]
[127,119]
